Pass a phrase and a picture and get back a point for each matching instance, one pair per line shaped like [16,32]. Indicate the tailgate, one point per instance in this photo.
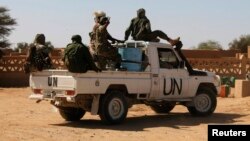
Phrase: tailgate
[46,86]
[52,82]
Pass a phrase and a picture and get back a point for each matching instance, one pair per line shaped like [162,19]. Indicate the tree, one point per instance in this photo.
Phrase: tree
[49,44]
[209,45]
[6,23]
[241,44]
[22,46]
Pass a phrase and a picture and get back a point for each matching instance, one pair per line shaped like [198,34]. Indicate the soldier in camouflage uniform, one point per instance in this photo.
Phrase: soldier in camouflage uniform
[98,15]
[39,57]
[105,52]
[77,57]
[140,29]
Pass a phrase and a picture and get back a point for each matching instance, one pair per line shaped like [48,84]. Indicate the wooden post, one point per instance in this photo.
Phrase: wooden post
[243,63]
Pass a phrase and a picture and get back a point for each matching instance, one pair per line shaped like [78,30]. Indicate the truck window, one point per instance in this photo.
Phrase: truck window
[167,58]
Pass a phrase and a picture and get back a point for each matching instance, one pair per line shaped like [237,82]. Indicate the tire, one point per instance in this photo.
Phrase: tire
[163,107]
[71,114]
[113,107]
[205,102]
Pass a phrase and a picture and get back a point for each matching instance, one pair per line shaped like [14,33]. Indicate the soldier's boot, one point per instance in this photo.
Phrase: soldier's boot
[173,42]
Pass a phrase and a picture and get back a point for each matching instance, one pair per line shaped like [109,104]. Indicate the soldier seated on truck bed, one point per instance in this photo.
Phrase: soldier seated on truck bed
[77,57]
[39,55]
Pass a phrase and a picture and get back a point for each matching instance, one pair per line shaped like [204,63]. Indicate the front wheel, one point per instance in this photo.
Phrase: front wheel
[204,102]
[113,108]
[71,114]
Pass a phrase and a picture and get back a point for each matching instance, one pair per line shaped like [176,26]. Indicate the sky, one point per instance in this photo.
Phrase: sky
[194,21]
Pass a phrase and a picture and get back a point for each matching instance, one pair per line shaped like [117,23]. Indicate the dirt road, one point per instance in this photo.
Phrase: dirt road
[23,119]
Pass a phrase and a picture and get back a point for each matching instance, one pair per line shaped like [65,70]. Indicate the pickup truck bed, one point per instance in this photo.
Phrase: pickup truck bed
[96,83]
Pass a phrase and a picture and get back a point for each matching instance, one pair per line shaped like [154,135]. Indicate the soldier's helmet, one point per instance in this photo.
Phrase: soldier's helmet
[40,39]
[99,14]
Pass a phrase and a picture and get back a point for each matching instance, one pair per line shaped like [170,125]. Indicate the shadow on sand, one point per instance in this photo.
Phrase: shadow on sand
[173,120]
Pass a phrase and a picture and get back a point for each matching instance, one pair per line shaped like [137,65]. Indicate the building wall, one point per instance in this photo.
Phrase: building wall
[209,53]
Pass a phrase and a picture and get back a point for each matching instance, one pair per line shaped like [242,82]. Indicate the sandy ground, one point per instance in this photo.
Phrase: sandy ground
[23,119]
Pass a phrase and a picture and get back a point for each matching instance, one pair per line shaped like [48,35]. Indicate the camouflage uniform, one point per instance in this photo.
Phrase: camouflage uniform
[104,50]
[98,16]
[39,55]
[140,29]
[43,52]
[77,57]
[92,40]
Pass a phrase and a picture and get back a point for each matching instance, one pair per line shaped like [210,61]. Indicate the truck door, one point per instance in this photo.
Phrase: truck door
[172,76]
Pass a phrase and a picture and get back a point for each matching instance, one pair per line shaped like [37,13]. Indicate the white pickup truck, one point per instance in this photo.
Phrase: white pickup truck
[162,81]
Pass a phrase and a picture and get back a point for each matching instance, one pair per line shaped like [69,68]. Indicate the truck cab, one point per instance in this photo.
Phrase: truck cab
[156,75]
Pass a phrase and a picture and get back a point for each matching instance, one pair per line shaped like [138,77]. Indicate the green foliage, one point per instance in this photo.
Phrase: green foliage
[6,23]
[240,44]
[209,45]
[49,45]
[22,45]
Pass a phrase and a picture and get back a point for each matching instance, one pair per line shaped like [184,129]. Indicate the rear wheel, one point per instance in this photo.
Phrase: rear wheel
[71,114]
[204,102]
[163,107]
[113,108]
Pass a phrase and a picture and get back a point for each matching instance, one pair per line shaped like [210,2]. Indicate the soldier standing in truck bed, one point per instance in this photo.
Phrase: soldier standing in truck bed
[140,29]
[105,52]
[92,34]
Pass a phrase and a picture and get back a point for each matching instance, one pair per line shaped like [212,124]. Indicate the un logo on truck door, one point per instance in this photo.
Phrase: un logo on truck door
[52,81]
[173,86]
